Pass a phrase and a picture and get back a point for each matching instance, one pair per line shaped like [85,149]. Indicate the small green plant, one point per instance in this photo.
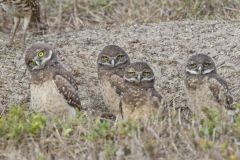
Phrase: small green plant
[208,125]
[67,130]
[205,144]
[102,129]
[66,6]
[99,3]
[237,106]
[125,128]
[18,122]
[40,157]
[81,118]
[68,127]
[34,122]
[109,150]
[236,116]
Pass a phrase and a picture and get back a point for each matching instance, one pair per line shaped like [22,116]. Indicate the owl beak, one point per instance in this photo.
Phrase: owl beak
[113,62]
[37,62]
[139,77]
[36,67]
[200,68]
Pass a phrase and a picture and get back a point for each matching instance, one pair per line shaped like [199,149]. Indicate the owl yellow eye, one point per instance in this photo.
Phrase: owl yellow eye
[146,73]
[193,65]
[131,74]
[105,59]
[120,57]
[41,54]
[206,64]
[31,62]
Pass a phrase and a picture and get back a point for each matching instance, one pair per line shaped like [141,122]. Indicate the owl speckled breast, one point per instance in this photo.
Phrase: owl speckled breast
[41,77]
[200,96]
[138,104]
[135,97]
[15,8]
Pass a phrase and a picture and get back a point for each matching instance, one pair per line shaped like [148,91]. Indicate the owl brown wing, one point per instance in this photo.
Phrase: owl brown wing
[118,82]
[35,6]
[220,91]
[160,103]
[60,70]
[191,82]
[67,90]
[157,98]
[157,95]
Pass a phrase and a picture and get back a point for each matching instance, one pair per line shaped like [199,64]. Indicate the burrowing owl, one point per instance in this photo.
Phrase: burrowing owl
[53,89]
[205,88]
[28,10]
[139,99]
[112,60]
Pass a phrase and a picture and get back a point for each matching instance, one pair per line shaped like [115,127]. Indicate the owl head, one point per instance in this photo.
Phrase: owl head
[200,64]
[112,57]
[140,74]
[39,56]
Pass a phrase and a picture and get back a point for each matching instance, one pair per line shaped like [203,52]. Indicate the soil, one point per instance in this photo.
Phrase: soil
[165,46]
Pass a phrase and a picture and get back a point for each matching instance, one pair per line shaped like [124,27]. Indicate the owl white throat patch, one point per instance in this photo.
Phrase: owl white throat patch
[199,73]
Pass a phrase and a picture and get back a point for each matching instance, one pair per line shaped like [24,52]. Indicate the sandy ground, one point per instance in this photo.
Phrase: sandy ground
[165,46]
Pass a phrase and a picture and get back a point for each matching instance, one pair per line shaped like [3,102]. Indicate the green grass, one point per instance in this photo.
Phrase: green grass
[22,131]
[17,123]
[75,14]
[85,13]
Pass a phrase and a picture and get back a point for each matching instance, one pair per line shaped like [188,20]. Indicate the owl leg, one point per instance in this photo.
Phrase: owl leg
[14,30]
[121,110]
[25,26]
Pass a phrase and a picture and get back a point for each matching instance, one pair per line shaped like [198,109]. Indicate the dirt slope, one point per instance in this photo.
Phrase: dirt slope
[164,46]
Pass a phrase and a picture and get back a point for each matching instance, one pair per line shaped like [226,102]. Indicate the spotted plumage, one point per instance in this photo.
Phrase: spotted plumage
[28,10]
[140,100]
[112,60]
[53,88]
[206,90]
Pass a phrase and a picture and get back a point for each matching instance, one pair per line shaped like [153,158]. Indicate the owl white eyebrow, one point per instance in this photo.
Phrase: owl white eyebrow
[129,79]
[208,71]
[48,58]
[133,79]
[192,72]
[152,78]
